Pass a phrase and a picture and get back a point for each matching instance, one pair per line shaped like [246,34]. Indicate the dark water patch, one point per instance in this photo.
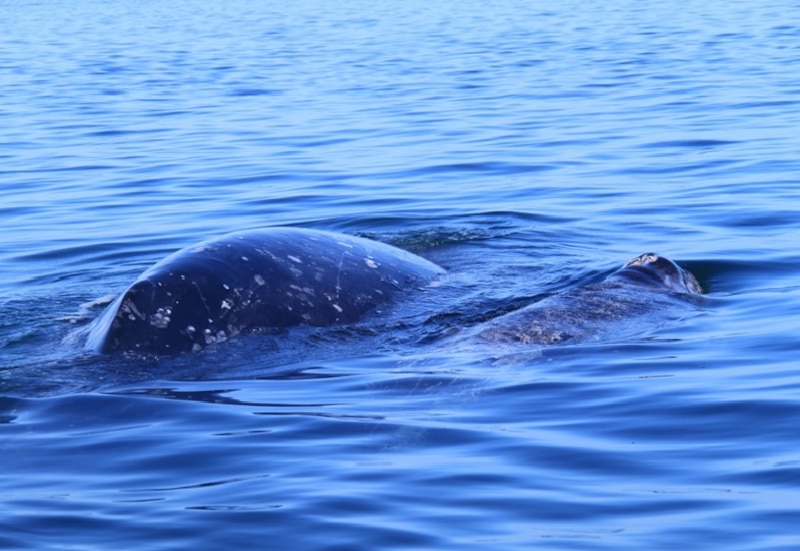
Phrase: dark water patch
[759,104]
[246,92]
[492,168]
[690,143]
[113,133]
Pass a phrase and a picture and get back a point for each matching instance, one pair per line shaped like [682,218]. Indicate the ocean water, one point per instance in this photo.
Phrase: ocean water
[527,147]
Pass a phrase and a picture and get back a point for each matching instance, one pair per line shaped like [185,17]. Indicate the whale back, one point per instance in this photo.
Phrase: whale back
[272,278]
[644,292]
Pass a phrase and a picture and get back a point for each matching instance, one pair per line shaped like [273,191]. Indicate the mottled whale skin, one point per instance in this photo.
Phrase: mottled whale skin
[267,278]
[648,287]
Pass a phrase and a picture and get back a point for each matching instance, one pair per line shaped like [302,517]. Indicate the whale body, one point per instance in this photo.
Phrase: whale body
[649,287]
[270,278]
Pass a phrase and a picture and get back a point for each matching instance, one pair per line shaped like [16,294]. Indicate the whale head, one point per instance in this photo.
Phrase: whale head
[654,270]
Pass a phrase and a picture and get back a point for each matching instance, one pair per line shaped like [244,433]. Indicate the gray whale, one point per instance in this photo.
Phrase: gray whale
[271,278]
[647,286]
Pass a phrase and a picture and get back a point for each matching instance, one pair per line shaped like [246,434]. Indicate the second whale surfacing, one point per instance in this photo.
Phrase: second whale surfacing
[646,288]
[270,278]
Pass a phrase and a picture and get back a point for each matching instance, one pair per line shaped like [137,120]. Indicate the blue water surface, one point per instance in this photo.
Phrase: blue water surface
[527,147]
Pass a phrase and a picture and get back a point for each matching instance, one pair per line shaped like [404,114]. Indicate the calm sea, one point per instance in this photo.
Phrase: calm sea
[529,148]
